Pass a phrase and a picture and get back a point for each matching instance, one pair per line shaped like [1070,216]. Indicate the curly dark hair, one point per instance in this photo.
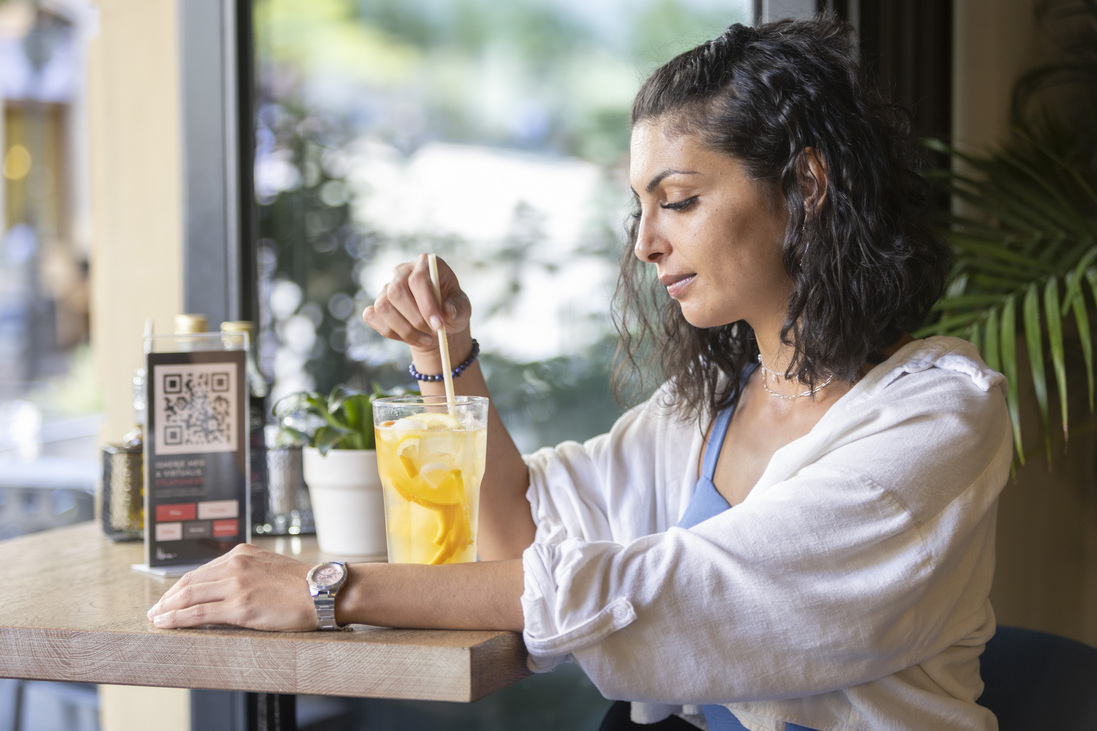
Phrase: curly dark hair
[866,267]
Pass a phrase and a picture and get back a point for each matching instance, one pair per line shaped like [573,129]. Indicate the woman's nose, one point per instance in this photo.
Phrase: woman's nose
[647,247]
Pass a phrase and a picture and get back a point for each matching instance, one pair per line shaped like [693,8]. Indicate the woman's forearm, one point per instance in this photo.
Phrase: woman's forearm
[482,595]
[506,525]
[253,587]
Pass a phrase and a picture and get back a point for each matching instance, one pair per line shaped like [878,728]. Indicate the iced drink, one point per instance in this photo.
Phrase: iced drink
[431,462]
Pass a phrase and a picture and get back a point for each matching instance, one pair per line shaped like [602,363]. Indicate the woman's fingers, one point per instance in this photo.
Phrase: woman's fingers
[456,309]
[396,316]
[408,310]
[195,605]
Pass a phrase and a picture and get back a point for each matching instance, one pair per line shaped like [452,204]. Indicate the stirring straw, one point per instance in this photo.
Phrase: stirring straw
[443,343]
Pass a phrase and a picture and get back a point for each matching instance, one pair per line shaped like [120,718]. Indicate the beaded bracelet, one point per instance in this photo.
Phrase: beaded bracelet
[458,370]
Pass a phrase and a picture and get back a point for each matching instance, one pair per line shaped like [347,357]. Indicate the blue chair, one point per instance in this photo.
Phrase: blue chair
[1037,680]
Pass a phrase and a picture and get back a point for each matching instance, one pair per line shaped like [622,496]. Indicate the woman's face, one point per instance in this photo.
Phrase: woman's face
[713,234]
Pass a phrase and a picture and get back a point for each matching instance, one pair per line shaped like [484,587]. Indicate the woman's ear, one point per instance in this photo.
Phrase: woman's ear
[813,180]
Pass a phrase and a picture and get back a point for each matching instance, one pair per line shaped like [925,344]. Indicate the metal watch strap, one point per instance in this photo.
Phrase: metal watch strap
[323,591]
[325,611]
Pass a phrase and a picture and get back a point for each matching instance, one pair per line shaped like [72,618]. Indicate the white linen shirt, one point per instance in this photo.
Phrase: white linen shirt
[849,590]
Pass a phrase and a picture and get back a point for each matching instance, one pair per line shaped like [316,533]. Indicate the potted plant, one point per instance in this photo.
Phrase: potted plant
[340,467]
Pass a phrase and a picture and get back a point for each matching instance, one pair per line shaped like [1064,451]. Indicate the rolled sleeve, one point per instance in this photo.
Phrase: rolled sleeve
[553,630]
[633,481]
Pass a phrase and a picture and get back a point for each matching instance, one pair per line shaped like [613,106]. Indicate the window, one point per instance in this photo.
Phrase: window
[49,405]
[494,134]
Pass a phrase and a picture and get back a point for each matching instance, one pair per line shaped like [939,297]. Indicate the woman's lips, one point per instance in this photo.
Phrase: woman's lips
[675,283]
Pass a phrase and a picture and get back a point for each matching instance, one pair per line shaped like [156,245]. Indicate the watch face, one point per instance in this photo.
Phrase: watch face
[327,575]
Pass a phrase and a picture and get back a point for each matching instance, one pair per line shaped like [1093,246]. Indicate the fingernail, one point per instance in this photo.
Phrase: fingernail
[158,620]
[452,312]
[155,609]
[426,341]
[435,322]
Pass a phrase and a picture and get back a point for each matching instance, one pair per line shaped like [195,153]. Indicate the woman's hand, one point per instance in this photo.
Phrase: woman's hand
[248,587]
[408,311]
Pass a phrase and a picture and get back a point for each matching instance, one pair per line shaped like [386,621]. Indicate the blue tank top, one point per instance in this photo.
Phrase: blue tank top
[706,503]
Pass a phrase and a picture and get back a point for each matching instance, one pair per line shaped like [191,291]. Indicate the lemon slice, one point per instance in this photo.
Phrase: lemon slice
[453,522]
[442,484]
[407,452]
[447,489]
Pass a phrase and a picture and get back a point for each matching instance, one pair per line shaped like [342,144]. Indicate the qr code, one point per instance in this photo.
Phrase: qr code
[195,408]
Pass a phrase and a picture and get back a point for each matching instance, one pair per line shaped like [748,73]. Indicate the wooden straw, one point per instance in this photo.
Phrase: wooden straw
[443,342]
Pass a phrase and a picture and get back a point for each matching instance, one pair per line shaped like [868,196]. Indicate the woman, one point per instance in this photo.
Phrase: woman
[798,526]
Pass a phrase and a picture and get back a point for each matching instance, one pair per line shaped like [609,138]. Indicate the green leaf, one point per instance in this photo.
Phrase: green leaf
[1085,338]
[294,402]
[1034,338]
[980,279]
[1087,348]
[1012,273]
[952,325]
[1036,197]
[1055,343]
[1057,160]
[327,438]
[288,436]
[338,395]
[353,412]
[982,247]
[976,228]
[991,352]
[1074,278]
[975,335]
[967,301]
[359,418]
[1009,370]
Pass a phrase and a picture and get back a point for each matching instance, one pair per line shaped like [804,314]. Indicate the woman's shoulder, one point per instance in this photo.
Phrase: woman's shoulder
[934,366]
[925,426]
[932,397]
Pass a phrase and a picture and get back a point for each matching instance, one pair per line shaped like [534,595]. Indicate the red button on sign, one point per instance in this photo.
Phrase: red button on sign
[224,528]
[176,511]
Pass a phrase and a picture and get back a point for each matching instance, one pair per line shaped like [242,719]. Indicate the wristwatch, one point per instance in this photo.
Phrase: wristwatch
[325,580]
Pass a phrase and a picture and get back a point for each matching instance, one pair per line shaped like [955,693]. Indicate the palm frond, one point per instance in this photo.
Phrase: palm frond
[1024,231]
[1025,244]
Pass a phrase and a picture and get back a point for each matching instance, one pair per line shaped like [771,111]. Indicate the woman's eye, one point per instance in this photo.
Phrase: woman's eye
[679,205]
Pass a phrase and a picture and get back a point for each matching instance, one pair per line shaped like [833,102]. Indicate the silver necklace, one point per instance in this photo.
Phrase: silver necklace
[771,392]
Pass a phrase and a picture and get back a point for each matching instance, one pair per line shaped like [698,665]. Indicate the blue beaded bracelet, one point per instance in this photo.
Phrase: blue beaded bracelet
[458,370]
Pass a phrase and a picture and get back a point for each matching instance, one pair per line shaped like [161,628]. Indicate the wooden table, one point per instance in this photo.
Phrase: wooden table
[73,609]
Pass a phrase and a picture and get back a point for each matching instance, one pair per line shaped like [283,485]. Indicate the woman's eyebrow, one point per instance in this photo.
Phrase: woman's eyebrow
[665,174]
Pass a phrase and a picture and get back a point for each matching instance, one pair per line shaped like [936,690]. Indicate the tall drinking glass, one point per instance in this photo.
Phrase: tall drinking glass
[430,455]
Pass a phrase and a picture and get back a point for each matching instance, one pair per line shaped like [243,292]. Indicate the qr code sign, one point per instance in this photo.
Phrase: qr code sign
[195,409]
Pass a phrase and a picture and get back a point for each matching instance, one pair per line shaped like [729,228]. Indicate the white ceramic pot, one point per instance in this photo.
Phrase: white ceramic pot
[348,505]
